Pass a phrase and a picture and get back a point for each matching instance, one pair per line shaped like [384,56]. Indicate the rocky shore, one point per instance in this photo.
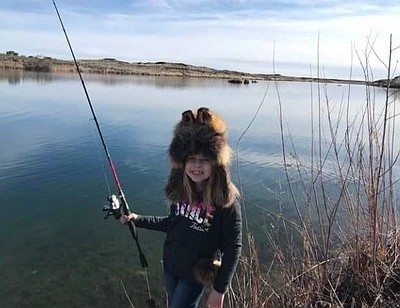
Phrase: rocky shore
[11,60]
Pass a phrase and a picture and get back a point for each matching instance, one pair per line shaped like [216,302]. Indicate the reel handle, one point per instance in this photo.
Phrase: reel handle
[113,208]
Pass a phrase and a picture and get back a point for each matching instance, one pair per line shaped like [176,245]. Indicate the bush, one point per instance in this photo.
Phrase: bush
[342,249]
[11,53]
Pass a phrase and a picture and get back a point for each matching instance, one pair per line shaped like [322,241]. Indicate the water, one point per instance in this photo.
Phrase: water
[56,250]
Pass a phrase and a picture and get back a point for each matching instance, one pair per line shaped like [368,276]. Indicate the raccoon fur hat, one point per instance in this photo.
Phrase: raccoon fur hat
[202,132]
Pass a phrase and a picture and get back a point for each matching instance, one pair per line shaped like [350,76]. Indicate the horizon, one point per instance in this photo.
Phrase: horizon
[177,63]
[298,38]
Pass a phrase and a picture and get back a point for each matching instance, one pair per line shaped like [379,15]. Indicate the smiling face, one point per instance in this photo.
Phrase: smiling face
[198,168]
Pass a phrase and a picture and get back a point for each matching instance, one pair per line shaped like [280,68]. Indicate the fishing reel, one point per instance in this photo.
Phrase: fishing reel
[113,208]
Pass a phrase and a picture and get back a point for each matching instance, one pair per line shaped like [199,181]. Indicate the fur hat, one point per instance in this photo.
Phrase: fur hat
[202,132]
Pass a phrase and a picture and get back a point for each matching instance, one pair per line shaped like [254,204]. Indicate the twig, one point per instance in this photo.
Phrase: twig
[126,294]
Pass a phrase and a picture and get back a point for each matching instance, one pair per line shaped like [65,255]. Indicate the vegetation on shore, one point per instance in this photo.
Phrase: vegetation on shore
[341,248]
[12,60]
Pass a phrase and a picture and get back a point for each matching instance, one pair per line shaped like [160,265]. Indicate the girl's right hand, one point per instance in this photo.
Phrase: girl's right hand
[126,218]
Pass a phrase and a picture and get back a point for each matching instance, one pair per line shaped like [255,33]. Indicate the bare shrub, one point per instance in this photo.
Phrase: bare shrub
[342,249]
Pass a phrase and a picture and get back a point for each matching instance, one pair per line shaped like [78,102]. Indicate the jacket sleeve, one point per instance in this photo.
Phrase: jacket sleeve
[157,223]
[230,245]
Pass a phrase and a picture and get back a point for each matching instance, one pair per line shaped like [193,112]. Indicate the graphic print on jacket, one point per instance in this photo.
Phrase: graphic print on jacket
[196,213]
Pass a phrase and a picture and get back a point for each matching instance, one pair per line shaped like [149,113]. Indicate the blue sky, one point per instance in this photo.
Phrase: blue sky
[249,35]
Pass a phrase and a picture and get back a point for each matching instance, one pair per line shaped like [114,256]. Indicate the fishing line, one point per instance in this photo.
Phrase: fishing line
[115,203]
[101,160]
[237,151]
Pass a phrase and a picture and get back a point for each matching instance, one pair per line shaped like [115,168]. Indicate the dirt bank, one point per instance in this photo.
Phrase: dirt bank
[12,60]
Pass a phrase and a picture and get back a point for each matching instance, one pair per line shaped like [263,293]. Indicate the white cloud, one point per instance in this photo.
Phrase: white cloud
[247,40]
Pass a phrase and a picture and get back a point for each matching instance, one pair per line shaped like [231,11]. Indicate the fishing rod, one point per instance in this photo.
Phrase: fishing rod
[115,204]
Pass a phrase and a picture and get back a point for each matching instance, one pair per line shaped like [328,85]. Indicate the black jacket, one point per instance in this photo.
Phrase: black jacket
[193,234]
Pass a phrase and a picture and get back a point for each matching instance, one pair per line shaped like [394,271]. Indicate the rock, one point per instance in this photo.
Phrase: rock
[393,83]
[235,80]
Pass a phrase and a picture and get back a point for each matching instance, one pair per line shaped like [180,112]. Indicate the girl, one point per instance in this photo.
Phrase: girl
[204,226]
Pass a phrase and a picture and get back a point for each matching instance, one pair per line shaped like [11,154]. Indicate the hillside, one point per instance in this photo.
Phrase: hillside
[11,60]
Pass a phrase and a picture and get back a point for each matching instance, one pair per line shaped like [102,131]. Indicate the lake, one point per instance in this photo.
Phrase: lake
[56,249]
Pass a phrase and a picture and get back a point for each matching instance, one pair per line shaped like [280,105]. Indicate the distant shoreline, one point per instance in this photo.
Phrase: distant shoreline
[11,60]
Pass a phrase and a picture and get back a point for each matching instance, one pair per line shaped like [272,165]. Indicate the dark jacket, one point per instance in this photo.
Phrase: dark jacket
[193,234]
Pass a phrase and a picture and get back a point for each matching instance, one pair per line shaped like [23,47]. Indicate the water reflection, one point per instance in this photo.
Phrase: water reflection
[52,168]
[15,77]
[154,81]
[18,76]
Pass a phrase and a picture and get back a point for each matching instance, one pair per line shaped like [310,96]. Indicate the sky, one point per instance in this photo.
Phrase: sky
[327,38]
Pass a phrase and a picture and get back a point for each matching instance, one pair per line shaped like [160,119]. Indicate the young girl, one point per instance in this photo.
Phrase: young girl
[204,222]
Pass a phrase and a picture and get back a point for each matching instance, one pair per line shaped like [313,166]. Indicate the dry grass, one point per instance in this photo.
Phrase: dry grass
[342,249]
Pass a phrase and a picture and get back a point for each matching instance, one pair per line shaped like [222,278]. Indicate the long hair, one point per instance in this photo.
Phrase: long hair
[203,132]
[218,191]
[190,190]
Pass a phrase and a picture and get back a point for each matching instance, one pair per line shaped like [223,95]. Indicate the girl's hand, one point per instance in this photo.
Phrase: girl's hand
[125,219]
[215,300]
